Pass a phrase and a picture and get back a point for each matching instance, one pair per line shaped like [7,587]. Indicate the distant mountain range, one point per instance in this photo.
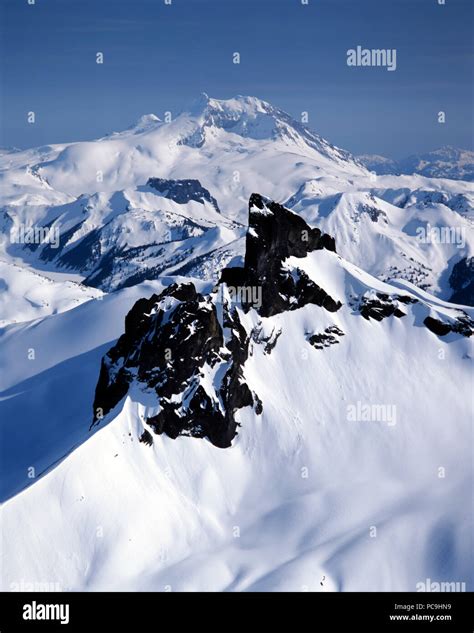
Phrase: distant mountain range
[445,162]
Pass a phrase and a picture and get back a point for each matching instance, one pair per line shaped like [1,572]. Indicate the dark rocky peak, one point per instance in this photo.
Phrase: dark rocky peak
[176,345]
[190,349]
[183,191]
[274,234]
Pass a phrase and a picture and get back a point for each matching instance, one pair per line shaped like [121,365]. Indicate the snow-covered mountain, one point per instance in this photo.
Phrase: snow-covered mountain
[117,225]
[235,145]
[381,165]
[445,162]
[331,478]
[198,392]
[116,228]
[118,239]
[397,233]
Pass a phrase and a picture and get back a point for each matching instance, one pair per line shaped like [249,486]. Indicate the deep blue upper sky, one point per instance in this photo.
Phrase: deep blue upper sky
[160,57]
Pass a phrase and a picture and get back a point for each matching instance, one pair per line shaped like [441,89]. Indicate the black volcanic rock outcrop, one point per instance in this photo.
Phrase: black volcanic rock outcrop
[172,341]
[190,349]
[274,234]
[462,325]
[381,307]
[183,191]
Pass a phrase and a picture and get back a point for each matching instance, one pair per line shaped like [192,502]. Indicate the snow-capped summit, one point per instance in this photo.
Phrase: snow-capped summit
[253,118]
[236,146]
[246,116]
[227,113]
[145,123]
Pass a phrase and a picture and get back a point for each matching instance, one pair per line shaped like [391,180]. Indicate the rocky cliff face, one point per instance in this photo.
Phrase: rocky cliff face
[183,191]
[274,234]
[175,344]
[190,349]
[461,281]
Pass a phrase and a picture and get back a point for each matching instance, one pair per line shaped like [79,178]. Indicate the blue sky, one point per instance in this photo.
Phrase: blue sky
[159,58]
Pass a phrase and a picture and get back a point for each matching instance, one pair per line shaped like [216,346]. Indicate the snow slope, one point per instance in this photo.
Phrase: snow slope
[26,295]
[306,498]
[48,369]
[393,235]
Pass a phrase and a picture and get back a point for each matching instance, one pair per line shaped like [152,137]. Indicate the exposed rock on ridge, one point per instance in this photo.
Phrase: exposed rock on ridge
[190,349]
